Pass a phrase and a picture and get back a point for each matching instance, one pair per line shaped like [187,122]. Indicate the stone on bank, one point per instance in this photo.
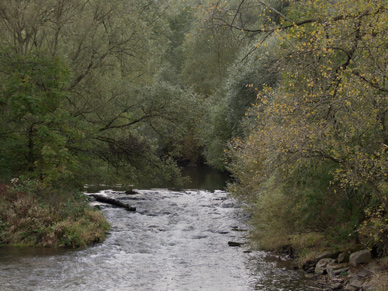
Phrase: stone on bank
[360,257]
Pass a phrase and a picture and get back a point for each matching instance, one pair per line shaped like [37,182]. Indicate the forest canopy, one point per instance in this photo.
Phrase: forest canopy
[83,94]
[289,96]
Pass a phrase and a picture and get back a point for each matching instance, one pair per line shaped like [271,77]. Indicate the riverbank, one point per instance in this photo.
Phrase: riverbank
[34,216]
[342,269]
[349,271]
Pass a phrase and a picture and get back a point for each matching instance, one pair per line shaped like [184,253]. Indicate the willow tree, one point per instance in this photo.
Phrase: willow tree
[222,63]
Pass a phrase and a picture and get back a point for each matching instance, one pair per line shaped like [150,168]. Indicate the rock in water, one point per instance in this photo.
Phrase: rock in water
[234,244]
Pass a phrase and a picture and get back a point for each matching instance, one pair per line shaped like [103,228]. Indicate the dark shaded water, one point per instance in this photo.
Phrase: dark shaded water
[176,240]
[202,177]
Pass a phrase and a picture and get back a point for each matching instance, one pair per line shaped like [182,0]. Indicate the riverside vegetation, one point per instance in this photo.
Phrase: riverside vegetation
[311,163]
[290,97]
[33,216]
[84,97]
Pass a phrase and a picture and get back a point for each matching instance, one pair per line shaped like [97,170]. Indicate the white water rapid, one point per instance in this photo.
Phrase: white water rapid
[175,241]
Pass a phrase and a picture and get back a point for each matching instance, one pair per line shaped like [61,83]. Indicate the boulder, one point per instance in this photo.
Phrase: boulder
[350,288]
[320,268]
[343,258]
[360,257]
[384,261]
[356,283]
[336,269]
[327,255]
[363,274]
[227,205]
[336,286]
[235,244]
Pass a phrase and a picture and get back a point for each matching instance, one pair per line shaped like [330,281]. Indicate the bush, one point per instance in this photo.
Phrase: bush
[299,206]
[34,216]
[374,231]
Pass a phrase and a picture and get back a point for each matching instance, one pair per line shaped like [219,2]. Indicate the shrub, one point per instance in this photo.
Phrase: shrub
[34,216]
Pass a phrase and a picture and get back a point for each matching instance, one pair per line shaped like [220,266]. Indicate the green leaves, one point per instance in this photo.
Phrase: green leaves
[34,128]
[82,94]
[32,84]
[329,109]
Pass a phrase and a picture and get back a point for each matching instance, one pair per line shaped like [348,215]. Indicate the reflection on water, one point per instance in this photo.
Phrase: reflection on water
[201,177]
[10,254]
[204,178]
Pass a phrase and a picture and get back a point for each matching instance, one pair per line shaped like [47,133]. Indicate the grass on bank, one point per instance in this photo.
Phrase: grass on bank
[310,224]
[31,215]
[271,231]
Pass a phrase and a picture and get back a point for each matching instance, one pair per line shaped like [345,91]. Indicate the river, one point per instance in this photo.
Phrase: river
[175,241]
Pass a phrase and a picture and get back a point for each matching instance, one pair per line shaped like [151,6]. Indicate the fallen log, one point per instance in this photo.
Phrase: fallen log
[112,201]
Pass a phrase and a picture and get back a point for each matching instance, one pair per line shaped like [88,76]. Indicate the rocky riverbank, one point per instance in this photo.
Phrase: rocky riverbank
[348,271]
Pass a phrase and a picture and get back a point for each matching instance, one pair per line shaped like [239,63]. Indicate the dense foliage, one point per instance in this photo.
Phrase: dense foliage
[316,145]
[85,95]
[34,216]
[295,93]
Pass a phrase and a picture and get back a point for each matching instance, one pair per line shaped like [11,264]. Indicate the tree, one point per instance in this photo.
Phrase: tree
[36,129]
[113,54]
[330,108]
[225,63]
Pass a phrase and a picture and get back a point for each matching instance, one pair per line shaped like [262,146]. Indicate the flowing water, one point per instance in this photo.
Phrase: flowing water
[176,240]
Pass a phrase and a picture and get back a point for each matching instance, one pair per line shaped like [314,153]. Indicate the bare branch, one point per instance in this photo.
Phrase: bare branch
[276,11]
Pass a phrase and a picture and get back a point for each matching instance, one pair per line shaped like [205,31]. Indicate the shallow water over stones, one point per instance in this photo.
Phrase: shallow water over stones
[174,241]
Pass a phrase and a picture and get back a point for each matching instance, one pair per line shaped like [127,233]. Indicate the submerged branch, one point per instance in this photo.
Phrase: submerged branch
[112,201]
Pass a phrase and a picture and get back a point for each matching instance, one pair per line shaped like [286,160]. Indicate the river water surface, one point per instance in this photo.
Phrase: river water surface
[176,240]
